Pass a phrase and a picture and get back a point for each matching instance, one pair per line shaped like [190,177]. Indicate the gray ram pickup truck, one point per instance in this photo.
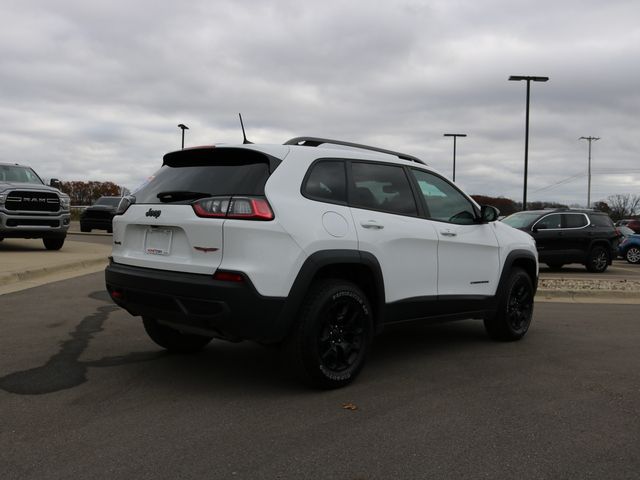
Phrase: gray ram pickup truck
[31,209]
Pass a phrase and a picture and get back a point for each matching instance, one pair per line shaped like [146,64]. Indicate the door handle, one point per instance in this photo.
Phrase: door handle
[372,224]
[448,233]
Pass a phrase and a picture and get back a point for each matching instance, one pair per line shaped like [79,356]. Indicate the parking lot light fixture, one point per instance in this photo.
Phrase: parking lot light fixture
[183,127]
[528,79]
[589,139]
[455,136]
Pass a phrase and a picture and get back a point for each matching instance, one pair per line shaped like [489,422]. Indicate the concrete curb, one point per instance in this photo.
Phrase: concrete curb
[37,273]
[588,296]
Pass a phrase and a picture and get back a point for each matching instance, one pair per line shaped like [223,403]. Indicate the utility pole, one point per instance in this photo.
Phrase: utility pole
[589,139]
[455,136]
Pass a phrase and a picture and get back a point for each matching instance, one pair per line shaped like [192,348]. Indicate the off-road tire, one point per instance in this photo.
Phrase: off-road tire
[53,243]
[172,339]
[514,312]
[598,260]
[332,335]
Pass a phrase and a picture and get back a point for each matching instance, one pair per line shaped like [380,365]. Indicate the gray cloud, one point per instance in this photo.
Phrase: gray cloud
[95,90]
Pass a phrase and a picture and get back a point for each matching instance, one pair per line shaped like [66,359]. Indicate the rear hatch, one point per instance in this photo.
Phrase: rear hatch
[177,218]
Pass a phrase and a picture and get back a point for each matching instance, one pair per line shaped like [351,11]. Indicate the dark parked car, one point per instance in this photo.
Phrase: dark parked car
[570,236]
[99,215]
[632,223]
[629,248]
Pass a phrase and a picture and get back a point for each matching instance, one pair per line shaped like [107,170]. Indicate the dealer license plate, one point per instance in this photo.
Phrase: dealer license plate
[157,241]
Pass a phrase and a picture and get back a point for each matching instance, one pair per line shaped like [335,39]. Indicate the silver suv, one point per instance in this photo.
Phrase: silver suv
[31,209]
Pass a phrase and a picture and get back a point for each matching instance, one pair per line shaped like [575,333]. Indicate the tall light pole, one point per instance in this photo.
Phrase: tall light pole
[183,127]
[455,136]
[589,139]
[528,79]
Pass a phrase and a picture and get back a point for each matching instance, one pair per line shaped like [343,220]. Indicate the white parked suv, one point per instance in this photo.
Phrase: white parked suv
[316,244]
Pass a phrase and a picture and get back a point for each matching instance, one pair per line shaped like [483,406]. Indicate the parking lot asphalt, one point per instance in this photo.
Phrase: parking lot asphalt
[85,394]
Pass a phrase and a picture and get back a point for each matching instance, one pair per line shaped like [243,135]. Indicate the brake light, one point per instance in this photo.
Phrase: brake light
[241,208]
[125,203]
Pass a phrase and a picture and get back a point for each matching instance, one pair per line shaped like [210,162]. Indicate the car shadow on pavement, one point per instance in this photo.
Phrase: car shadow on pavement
[236,367]
[64,370]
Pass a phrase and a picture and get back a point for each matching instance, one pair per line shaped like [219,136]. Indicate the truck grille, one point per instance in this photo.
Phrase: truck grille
[25,201]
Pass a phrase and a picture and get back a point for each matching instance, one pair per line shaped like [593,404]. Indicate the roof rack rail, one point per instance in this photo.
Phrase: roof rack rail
[316,141]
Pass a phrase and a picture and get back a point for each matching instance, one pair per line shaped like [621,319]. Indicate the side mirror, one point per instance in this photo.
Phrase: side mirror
[539,227]
[55,183]
[489,214]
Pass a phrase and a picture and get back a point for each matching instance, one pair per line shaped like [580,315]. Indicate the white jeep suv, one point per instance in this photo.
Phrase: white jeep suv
[316,244]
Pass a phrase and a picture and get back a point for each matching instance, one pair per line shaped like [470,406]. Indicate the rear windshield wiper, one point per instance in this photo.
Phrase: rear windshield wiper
[177,195]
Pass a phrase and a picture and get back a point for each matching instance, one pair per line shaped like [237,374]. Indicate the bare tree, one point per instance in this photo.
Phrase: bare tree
[623,205]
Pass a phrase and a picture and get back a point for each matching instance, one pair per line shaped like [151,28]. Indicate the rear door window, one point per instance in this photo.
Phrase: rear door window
[381,187]
[574,220]
[206,172]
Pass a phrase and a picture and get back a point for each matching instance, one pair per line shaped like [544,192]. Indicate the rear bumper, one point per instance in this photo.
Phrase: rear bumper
[197,303]
[97,223]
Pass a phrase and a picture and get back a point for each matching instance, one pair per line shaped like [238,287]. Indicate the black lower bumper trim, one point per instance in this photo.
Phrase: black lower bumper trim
[197,303]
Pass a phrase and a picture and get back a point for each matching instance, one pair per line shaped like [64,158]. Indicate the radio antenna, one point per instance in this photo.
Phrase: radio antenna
[244,135]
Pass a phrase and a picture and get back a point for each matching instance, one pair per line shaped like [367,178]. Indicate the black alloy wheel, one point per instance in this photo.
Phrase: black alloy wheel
[520,305]
[329,342]
[598,260]
[342,335]
[514,311]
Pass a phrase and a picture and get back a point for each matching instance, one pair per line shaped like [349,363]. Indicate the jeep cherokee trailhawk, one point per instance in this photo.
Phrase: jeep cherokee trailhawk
[314,248]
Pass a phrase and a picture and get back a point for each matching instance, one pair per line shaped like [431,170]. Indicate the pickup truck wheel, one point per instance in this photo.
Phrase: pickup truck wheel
[515,309]
[53,243]
[331,338]
[172,339]
[598,260]
[632,255]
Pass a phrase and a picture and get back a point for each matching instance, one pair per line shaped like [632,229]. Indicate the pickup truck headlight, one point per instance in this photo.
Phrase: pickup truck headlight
[65,202]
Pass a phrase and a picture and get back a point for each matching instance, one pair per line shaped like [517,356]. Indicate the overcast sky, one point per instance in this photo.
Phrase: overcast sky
[94,90]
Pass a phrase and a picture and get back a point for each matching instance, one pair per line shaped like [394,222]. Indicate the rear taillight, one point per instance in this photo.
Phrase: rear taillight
[125,203]
[243,208]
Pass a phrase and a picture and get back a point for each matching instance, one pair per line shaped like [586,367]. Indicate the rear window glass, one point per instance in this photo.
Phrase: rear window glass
[327,181]
[601,221]
[211,172]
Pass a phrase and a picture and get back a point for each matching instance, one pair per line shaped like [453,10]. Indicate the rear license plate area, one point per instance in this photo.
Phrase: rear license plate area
[157,241]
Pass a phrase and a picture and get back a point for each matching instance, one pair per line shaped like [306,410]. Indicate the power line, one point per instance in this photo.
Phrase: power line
[560,182]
